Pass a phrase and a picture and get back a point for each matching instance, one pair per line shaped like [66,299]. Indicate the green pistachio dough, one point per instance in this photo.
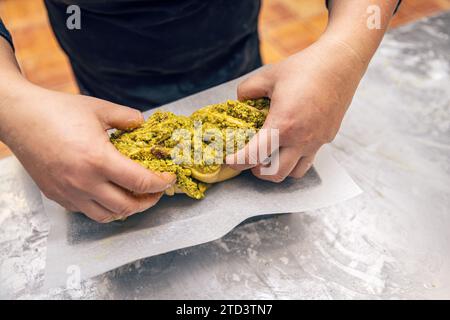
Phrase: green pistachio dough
[153,143]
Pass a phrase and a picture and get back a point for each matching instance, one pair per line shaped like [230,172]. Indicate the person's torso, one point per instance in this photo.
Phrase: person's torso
[136,42]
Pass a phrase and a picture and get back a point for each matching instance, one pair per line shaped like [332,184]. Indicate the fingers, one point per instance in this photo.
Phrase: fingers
[302,166]
[256,86]
[68,206]
[134,177]
[97,212]
[280,167]
[260,146]
[60,199]
[123,203]
[257,150]
[117,116]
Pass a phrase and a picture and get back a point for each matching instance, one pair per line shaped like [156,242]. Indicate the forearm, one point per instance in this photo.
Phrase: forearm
[353,23]
[12,85]
[10,69]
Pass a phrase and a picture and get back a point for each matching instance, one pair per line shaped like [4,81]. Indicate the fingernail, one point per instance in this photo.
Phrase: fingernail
[116,218]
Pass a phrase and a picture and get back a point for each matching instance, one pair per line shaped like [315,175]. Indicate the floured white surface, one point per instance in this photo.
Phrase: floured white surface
[179,222]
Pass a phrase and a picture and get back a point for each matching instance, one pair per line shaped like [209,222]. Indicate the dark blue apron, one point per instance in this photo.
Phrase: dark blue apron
[144,53]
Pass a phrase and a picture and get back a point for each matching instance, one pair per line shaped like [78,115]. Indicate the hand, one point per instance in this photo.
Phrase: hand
[310,93]
[62,142]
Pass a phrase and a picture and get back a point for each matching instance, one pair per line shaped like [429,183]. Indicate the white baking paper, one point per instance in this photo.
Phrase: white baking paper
[80,247]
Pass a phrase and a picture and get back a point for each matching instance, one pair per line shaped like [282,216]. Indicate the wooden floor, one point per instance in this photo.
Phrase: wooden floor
[286,26]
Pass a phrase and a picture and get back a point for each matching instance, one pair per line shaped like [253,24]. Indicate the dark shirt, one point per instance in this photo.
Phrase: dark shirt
[5,33]
[146,53]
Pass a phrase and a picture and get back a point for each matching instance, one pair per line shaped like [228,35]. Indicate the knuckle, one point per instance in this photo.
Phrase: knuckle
[245,83]
[66,204]
[297,175]
[241,88]
[93,159]
[71,181]
[70,207]
[287,128]
[87,156]
[128,209]
[136,113]
[142,185]
[308,138]
[276,178]
[55,193]
[50,194]
[256,171]
[147,205]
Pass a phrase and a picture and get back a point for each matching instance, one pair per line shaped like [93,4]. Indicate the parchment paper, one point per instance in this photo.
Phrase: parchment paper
[77,243]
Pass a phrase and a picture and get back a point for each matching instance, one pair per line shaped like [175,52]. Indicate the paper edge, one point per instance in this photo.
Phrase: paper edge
[54,276]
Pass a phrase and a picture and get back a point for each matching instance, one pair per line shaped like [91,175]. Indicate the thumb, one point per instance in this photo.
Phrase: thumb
[256,151]
[119,117]
[257,86]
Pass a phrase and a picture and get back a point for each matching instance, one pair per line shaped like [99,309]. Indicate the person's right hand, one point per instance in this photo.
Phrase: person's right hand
[62,142]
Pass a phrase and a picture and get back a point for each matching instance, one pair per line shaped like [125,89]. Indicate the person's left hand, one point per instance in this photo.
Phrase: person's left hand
[310,93]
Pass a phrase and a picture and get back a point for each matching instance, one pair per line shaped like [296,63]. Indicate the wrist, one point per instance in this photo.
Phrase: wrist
[12,93]
[359,25]
[344,54]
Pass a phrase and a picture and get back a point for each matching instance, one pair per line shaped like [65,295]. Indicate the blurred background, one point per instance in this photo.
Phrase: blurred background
[286,26]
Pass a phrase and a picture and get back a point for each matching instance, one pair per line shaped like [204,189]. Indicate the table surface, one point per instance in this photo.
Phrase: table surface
[391,242]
